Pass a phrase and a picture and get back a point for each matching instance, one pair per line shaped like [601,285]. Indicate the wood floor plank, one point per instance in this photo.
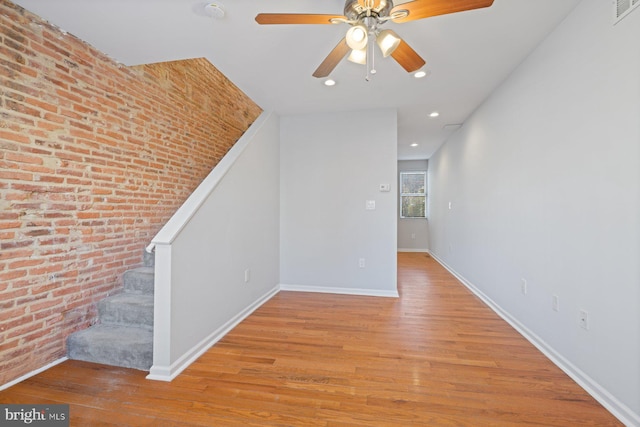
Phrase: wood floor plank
[436,356]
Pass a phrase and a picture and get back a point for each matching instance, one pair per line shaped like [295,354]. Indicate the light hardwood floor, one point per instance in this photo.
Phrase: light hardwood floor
[437,356]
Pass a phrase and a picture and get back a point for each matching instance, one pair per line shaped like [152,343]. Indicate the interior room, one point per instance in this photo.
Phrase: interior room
[219,209]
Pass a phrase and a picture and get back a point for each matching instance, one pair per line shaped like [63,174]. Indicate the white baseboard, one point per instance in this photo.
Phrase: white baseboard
[425,250]
[32,373]
[168,373]
[342,291]
[603,396]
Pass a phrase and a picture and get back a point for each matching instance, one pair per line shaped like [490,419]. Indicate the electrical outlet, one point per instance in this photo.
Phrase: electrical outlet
[523,286]
[247,275]
[555,303]
[361,263]
[413,235]
[583,320]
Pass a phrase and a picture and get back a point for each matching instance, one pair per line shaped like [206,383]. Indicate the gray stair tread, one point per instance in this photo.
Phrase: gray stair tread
[144,270]
[124,336]
[131,299]
[148,259]
[127,309]
[139,280]
[115,345]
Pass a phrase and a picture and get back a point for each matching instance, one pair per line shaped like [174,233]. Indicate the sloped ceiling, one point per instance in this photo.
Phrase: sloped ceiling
[468,54]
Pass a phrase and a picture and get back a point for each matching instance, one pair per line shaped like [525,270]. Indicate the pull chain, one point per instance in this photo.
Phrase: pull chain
[370,58]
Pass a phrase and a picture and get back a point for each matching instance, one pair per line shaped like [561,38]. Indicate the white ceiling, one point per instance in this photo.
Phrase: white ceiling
[468,54]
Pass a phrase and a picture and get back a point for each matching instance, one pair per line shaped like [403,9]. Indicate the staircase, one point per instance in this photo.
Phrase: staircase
[123,335]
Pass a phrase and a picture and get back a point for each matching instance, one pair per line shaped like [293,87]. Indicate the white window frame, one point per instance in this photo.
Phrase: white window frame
[423,194]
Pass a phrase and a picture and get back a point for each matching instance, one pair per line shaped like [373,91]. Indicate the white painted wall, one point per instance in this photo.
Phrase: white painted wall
[331,164]
[228,225]
[544,181]
[413,233]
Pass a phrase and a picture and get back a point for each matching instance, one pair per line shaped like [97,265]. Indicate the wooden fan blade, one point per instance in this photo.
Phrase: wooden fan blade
[419,9]
[407,57]
[330,62]
[294,18]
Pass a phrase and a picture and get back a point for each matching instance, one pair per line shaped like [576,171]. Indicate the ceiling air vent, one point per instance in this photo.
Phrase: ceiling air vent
[623,7]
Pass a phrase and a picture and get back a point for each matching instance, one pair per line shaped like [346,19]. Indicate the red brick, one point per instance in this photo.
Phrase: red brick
[38,232]
[42,105]
[44,304]
[23,330]
[16,175]
[38,337]
[40,289]
[25,263]
[94,159]
[55,118]
[8,345]
[46,270]
[9,215]
[35,150]
[10,318]
[54,241]
[13,294]
[11,275]
[22,158]
[51,179]
[7,235]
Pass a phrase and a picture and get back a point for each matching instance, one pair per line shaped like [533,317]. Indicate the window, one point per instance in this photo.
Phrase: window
[413,194]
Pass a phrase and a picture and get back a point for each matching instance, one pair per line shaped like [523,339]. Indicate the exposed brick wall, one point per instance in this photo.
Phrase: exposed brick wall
[94,158]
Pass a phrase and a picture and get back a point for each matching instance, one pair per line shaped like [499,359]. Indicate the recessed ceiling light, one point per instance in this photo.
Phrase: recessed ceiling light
[420,74]
[329,82]
[214,10]
[434,114]
[414,144]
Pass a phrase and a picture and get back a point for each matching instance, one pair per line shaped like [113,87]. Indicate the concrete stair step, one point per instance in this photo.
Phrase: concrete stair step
[127,309]
[114,345]
[139,280]
[148,259]
[124,336]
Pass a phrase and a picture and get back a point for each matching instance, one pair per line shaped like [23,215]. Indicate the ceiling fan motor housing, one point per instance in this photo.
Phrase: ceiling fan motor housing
[355,10]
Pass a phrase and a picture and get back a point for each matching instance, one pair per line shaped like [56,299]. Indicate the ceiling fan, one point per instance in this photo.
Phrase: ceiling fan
[365,18]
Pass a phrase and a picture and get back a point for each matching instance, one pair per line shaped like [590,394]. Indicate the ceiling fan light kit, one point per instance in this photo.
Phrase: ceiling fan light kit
[365,18]
[358,56]
[357,37]
[388,41]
